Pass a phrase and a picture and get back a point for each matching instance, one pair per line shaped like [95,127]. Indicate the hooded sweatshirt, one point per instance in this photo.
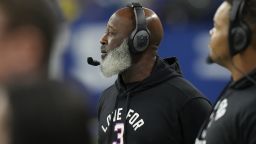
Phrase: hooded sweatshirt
[233,120]
[164,108]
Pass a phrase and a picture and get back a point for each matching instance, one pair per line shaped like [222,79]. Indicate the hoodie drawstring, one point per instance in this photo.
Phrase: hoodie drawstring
[126,111]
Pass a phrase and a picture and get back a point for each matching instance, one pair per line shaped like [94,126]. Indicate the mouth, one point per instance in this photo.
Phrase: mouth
[103,53]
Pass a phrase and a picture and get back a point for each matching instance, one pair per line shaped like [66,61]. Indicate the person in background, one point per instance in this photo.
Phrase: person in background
[43,113]
[28,29]
[233,46]
[27,33]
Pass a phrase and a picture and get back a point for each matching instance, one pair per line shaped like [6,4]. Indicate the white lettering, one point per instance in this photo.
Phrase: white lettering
[104,129]
[108,119]
[138,124]
[114,118]
[200,141]
[134,118]
[129,113]
[119,114]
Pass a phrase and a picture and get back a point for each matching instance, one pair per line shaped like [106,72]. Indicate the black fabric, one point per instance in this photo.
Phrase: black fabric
[47,112]
[233,120]
[162,109]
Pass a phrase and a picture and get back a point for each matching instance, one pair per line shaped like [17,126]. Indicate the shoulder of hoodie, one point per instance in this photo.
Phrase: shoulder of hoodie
[185,90]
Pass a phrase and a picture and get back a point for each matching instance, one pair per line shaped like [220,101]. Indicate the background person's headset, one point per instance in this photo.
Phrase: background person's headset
[239,32]
[139,38]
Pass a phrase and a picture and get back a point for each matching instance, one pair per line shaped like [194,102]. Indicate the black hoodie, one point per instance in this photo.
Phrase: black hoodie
[162,109]
[233,120]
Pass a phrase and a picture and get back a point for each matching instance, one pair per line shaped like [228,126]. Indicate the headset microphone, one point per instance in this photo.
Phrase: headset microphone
[92,62]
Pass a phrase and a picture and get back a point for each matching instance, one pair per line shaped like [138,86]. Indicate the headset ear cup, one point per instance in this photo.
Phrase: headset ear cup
[138,42]
[141,41]
[130,42]
[241,38]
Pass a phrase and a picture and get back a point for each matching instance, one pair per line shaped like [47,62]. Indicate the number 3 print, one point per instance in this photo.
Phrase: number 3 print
[119,128]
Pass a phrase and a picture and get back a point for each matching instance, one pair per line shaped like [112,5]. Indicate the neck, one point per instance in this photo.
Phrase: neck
[243,64]
[140,70]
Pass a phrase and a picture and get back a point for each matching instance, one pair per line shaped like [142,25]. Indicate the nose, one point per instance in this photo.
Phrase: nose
[104,40]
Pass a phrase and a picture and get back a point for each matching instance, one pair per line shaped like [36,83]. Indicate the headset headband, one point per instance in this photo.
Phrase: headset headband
[237,11]
[139,15]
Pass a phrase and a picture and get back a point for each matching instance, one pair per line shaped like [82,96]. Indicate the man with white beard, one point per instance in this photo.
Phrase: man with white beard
[150,101]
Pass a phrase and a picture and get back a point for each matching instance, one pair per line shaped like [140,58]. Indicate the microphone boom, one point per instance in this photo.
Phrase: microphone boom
[92,62]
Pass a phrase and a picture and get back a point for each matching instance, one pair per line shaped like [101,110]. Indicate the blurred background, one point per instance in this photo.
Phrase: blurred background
[186,25]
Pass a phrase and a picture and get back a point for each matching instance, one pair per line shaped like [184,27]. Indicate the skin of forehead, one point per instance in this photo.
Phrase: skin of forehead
[124,17]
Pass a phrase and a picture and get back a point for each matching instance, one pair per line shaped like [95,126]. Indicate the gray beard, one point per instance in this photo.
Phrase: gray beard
[117,60]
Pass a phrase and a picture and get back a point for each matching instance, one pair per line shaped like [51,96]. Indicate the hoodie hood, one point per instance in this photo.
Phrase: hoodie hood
[163,70]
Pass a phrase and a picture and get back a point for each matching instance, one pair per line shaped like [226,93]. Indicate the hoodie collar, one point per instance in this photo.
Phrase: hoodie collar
[164,69]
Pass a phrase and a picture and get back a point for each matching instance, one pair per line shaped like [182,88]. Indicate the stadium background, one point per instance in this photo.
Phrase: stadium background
[186,26]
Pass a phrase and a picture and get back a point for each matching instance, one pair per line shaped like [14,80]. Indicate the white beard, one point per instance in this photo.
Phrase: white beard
[117,60]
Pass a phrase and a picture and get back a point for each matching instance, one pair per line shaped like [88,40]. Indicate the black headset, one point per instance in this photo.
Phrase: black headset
[240,34]
[239,31]
[139,38]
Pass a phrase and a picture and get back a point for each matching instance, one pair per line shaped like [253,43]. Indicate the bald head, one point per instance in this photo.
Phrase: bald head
[153,23]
